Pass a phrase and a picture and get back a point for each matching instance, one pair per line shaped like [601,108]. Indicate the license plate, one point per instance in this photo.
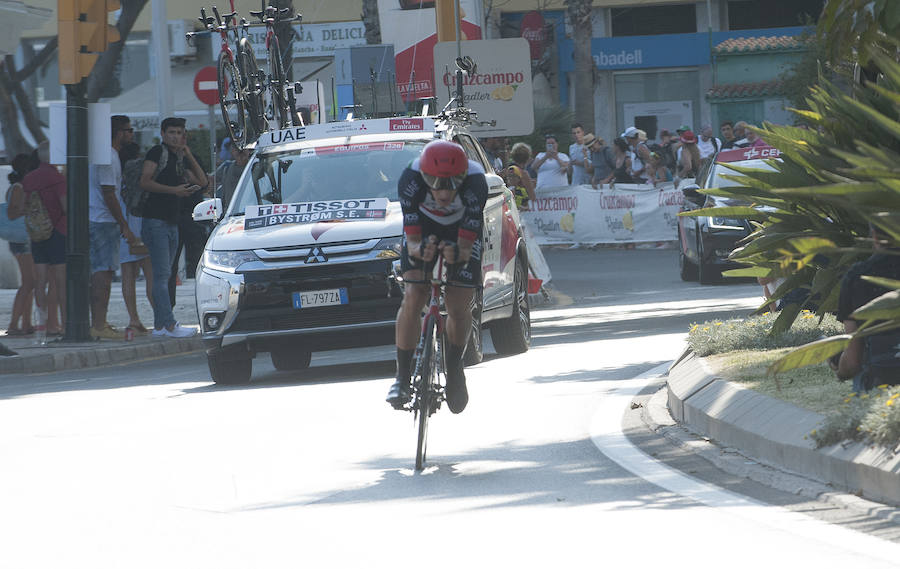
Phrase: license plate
[314,298]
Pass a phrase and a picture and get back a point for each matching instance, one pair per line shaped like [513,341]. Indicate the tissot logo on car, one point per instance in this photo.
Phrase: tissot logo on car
[316,256]
[258,216]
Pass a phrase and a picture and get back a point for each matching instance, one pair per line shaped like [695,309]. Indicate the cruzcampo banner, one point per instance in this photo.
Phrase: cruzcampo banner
[629,213]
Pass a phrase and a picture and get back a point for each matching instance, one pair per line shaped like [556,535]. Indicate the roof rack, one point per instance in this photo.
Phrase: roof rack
[461,114]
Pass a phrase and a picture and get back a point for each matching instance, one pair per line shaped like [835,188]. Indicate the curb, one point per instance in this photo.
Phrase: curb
[89,355]
[774,432]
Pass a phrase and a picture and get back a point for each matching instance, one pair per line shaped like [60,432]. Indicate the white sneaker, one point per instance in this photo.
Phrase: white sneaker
[178,331]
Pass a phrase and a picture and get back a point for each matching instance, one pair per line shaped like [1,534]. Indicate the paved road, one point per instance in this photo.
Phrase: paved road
[151,465]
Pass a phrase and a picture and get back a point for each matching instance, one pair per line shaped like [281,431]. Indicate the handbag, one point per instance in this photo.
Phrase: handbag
[12,230]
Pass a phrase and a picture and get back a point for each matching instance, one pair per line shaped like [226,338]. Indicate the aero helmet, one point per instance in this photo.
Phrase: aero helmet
[443,165]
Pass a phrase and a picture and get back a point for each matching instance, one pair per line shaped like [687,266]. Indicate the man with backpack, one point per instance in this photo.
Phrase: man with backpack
[44,190]
[106,223]
[165,179]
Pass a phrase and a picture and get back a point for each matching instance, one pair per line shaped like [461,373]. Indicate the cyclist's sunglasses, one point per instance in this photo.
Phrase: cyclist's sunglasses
[445,183]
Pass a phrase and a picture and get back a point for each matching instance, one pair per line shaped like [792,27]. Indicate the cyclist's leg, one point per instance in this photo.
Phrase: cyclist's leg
[457,301]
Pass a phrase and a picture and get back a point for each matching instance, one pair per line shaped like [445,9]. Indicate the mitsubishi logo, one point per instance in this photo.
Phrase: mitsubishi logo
[316,255]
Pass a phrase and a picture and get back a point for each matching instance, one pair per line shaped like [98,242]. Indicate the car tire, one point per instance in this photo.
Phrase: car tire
[706,274]
[687,268]
[287,360]
[475,347]
[513,335]
[228,368]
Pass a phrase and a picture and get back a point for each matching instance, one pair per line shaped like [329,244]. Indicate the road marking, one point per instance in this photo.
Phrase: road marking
[606,433]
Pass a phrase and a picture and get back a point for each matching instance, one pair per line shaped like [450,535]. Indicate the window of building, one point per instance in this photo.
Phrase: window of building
[653,20]
[751,14]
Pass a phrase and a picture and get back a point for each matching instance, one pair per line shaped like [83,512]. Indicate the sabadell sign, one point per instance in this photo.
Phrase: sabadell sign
[499,90]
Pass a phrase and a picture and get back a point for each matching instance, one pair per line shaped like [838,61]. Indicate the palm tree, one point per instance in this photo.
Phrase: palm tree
[579,14]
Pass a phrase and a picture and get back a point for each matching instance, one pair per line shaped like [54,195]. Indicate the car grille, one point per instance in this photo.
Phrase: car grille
[266,304]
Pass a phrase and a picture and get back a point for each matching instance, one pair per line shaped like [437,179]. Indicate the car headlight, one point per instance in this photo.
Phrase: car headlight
[389,248]
[227,261]
[724,223]
[211,292]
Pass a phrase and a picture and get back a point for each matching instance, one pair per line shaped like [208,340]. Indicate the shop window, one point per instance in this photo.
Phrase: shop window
[654,20]
[752,14]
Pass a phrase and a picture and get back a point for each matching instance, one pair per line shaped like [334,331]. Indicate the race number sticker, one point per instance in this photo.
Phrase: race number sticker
[257,216]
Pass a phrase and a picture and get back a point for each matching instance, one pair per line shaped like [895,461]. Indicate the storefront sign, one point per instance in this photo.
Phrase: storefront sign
[311,40]
[499,90]
[628,213]
[666,50]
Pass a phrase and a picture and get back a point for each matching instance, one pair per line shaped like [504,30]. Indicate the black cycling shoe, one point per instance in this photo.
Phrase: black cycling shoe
[457,394]
[399,394]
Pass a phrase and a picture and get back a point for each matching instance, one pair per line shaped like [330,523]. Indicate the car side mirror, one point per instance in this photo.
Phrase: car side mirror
[495,184]
[690,192]
[208,210]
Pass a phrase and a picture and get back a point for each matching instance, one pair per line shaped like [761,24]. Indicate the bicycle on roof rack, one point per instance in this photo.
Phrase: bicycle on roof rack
[238,95]
[280,107]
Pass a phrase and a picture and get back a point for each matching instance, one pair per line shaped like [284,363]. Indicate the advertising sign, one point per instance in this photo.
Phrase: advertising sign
[500,89]
[413,32]
[311,40]
[628,213]
[257,216]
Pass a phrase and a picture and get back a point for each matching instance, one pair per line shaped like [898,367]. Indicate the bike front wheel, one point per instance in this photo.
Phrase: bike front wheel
[231,100]
[426,395]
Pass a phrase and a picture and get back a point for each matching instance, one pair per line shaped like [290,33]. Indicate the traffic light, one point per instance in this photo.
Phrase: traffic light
[84,32]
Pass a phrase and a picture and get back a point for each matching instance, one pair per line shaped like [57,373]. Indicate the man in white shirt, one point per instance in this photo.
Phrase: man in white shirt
[577,154]
[707,144]
[107,223]
[551,166]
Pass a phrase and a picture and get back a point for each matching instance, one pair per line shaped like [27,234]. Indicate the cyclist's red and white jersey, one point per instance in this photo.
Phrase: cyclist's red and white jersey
[465,211]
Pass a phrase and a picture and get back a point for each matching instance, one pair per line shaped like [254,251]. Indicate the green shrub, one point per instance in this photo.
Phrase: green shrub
[872,417]
[754,333]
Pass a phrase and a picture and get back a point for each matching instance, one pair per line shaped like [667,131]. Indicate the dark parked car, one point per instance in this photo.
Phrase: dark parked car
[705,242]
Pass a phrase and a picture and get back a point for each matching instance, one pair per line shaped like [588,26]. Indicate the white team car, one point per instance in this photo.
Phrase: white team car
[306,258]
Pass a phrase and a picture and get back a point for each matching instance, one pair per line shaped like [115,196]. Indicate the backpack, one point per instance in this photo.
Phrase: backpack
[135,198]
[881,360]
[37,219]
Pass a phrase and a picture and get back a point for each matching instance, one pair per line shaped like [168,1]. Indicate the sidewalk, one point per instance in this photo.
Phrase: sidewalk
[775,432]
[58,355]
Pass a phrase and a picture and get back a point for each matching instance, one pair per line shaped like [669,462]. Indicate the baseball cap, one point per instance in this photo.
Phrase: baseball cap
[630,132]
[683,128]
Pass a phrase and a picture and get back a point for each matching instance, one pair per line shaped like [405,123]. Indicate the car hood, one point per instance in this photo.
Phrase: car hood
[230,235]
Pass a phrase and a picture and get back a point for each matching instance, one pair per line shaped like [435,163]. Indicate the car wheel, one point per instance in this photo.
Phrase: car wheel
[705,272]
[286,360]
[229,368]
[688,269]
[474,349]
[513,335]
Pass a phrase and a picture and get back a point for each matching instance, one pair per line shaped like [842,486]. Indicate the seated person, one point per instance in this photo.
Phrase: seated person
[869,361]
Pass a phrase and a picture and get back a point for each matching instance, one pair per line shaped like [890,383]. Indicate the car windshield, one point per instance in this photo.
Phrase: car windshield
[365,170]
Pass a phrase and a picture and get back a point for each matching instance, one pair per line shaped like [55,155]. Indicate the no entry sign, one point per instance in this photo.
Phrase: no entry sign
[206,87]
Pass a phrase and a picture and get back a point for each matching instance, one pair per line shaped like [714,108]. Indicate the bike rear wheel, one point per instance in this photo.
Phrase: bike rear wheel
[277,84]
[231,100]
[425,388]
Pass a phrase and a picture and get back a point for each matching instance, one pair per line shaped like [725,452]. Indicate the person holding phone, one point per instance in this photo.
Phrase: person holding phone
[551,165]
[165,177]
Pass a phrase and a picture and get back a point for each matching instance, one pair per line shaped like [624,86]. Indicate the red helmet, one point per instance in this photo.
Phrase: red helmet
[443,165]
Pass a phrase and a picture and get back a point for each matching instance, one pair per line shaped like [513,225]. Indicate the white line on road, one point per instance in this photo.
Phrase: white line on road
[606,433]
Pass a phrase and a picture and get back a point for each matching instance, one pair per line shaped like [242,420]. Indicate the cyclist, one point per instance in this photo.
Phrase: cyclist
[442,194]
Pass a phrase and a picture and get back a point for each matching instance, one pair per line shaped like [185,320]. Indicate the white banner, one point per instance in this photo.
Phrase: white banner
[629,213]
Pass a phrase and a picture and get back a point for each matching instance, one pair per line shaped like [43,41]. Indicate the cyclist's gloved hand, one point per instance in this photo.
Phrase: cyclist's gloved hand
[451,252]
[427,249]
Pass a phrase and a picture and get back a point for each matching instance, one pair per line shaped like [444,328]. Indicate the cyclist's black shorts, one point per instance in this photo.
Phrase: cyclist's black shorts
[467,274]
